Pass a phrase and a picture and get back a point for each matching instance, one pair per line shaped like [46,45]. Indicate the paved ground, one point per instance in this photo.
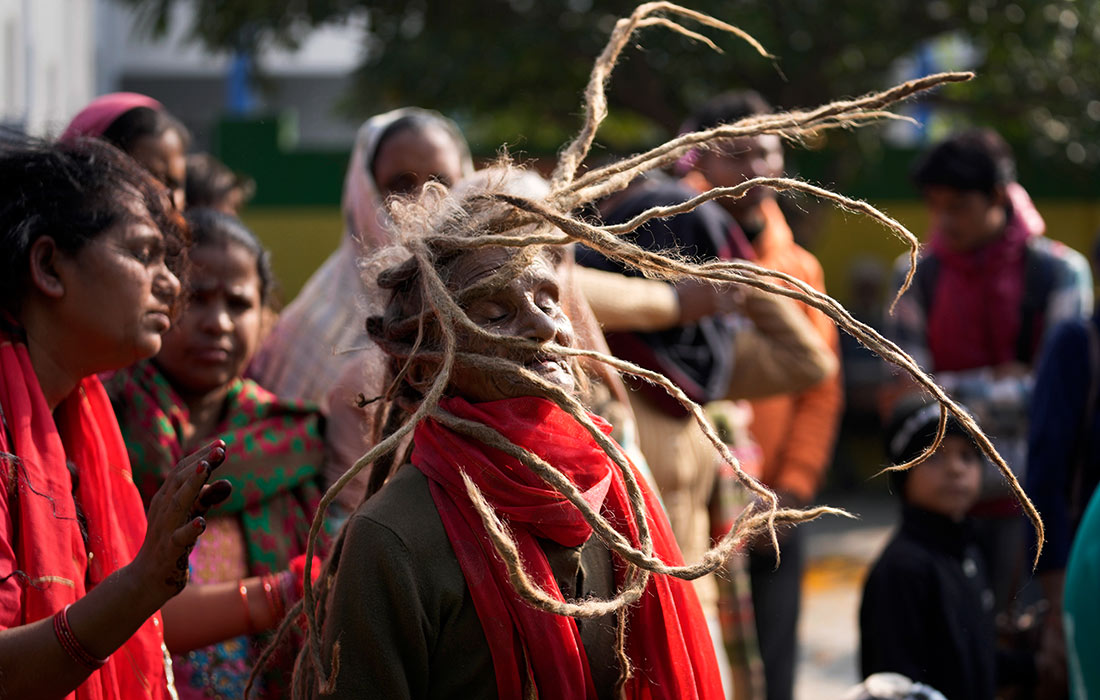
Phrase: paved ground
[838,554]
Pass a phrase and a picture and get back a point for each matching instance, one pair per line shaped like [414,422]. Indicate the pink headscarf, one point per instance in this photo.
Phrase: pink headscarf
[101,112]
[365,218]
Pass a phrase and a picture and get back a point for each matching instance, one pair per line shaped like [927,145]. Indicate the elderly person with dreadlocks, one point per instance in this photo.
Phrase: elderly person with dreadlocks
[420,604]
[395,155]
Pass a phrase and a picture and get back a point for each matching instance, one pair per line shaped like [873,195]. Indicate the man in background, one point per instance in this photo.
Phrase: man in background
[795,431]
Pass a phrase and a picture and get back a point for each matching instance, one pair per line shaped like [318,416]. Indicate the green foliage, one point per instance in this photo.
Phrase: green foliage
[513,70]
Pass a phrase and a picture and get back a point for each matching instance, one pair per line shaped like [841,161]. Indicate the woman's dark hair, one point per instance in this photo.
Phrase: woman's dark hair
[978,160]
[140,122]
[212,227]
[210,182]
[727,108]
[72,192]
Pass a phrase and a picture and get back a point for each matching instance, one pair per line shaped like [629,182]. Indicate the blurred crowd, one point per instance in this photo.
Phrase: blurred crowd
[143,346]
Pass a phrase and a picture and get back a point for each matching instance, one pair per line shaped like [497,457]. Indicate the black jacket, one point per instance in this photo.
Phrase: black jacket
[698,358]
[927,610]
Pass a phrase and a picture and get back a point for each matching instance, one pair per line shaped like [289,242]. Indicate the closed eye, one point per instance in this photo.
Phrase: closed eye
[488,311]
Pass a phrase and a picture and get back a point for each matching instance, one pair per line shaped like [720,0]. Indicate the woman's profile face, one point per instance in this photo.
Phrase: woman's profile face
[526,307]
[219,329]
[410,158]
[163,156]
[118,292]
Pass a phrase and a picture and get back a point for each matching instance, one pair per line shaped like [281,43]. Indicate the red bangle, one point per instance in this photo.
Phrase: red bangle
[249,624]
[71,644]
[275,600]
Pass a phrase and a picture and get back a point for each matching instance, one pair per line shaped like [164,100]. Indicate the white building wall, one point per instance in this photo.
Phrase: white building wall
[46,62]
[190,80]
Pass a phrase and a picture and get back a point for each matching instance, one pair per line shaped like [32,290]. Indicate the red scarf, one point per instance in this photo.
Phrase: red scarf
[668,642]
[48,545]
[974,319]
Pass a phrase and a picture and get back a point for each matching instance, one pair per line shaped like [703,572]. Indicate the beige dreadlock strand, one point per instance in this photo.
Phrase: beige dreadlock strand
[666,267]
[499,215]
[595,98]
[604,181]
[439,385]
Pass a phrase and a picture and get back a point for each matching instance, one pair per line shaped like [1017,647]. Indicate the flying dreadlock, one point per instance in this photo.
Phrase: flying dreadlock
[426,319]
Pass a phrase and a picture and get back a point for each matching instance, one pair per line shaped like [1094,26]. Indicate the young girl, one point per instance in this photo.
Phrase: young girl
[193,391]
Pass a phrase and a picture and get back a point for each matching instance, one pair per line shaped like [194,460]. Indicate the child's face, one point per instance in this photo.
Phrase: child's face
[218,332]
[947,482]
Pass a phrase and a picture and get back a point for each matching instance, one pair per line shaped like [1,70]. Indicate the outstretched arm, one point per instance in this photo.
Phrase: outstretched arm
[32,661]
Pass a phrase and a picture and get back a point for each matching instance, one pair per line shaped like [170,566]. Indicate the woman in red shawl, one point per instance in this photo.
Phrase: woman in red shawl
[420,605]
[87,285]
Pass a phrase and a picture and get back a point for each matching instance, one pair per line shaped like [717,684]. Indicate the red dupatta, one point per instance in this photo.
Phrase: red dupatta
[48,546]
[668,641]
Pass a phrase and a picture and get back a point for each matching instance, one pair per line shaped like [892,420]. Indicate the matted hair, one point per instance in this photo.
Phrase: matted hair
[426,318]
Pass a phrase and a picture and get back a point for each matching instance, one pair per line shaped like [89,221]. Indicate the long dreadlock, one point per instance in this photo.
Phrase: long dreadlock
[426,319]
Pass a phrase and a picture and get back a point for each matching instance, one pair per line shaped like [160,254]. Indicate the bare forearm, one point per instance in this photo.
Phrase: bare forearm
[207,614]
[33,663]
[623,303]
[782,353]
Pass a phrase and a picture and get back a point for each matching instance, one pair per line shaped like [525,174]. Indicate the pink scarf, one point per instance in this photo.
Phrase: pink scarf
[101,112]
[974,320]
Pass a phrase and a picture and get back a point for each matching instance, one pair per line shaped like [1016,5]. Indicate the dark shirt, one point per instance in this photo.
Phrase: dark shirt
[927,610]
[1063,454]
[403,615]
[698,358]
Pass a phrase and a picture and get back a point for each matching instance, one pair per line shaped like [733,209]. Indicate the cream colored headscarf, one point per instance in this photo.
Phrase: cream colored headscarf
[305,353]
[365,218]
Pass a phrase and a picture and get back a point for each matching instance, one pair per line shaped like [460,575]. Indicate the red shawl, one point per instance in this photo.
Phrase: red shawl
[668,640]
[47,542]
[974,320]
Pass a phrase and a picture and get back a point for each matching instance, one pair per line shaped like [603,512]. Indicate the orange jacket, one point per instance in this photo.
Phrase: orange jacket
[796,432]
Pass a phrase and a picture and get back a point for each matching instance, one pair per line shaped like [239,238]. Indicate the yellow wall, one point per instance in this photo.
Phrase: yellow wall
[846,236]
[299,238]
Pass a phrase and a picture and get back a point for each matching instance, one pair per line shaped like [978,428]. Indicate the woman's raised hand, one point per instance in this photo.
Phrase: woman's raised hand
[175,521]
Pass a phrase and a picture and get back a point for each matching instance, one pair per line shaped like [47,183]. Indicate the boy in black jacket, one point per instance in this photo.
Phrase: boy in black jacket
[927,610]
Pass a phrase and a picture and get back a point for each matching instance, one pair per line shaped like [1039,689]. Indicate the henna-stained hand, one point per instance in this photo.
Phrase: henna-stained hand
[175,521]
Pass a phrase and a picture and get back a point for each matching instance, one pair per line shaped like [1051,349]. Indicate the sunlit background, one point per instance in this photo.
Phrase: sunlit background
[276,89]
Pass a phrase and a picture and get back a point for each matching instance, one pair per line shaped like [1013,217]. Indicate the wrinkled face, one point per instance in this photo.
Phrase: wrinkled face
[741,159]
[219,329]
[409,159]
[527,307]
[968,219]
[118,291]
[163,156]
[947,482]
